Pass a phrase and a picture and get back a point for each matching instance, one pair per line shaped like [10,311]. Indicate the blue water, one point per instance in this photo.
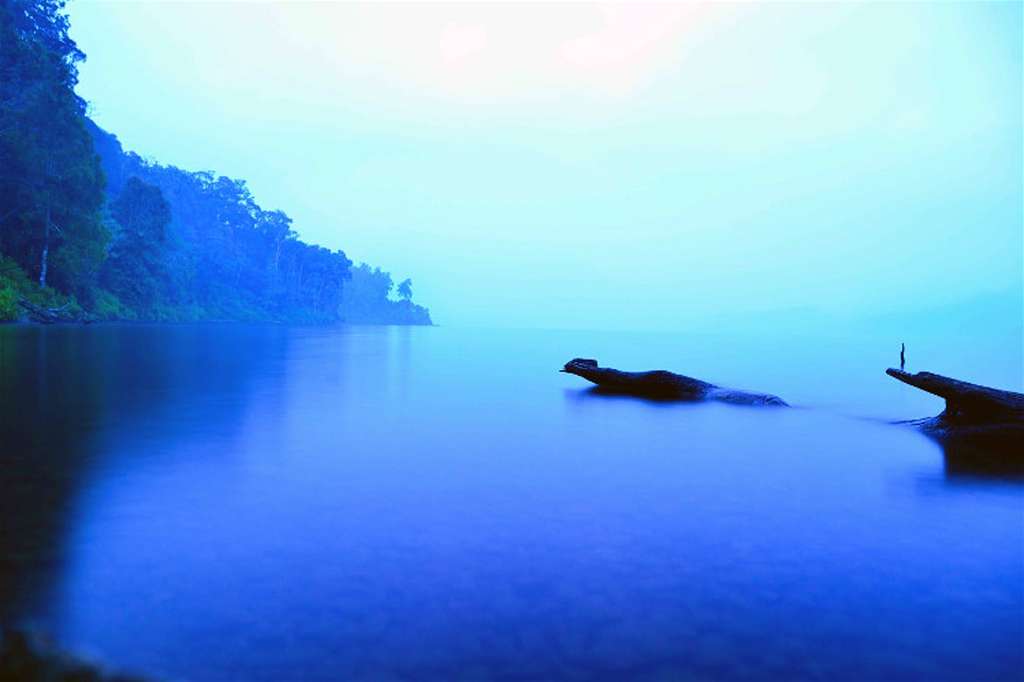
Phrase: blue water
[273,503]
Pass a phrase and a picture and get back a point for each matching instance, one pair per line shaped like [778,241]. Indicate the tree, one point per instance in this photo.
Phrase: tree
[134,272]
[276,227]
[132,238]
[405,289]
[51,184]
[44,22]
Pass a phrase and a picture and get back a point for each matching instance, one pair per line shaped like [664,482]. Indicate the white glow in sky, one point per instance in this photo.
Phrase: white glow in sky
[579,165]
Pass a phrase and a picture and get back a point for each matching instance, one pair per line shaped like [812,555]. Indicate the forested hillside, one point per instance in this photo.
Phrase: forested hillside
[89,231]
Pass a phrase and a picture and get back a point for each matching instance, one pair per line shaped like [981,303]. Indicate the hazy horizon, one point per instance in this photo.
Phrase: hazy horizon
[600,166]
[713,349]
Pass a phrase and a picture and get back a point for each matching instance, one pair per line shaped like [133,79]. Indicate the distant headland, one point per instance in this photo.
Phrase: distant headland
[91,232]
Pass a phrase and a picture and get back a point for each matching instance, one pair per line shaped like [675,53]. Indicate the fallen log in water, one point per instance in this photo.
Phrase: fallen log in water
[975,415]
[38,313]
[662,385]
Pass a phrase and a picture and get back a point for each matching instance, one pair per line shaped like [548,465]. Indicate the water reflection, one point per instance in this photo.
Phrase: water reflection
[365,503]
[74,400]
[43,460]
[968,462]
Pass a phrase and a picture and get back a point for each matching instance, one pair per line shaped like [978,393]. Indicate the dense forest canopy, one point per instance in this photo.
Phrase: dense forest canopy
[100,233]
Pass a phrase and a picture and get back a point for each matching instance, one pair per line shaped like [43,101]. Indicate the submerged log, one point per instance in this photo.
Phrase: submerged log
[663,385]
[38,313]
[975,415]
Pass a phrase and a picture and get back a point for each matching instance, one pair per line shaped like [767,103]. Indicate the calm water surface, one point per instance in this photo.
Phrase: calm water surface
[272,503]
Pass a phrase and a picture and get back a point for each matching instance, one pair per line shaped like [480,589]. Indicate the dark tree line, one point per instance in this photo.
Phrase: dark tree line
[368,287]
[51,184]
[221,255]
[85,224]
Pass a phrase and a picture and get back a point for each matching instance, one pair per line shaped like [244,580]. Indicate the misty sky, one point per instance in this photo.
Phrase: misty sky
[599,166]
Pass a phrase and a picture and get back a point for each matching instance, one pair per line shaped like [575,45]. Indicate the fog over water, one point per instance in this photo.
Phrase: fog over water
[772,197]
[224,502]
[617,167]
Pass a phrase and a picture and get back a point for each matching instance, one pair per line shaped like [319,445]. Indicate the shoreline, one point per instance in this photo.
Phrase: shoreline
[173,323]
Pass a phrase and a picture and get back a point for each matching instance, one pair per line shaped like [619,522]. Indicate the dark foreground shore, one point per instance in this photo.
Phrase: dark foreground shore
[29,657]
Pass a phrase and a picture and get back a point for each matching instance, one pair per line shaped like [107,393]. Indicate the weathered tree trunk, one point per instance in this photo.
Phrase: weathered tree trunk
[44,260]
[662,385]
[976,414]
[48,315]
[965,400]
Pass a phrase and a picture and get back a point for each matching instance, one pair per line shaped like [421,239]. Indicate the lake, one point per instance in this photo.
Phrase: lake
[229,502]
